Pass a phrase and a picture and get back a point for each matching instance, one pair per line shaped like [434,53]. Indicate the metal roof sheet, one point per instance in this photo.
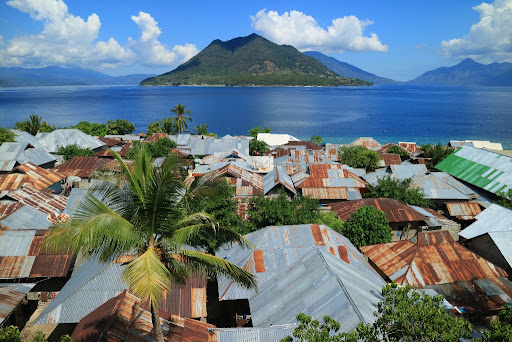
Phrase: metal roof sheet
[267,334]
[273,139]
[365,141]
[64,137]
[488,170]
[42,201]
[493,219]
[435,259]
[247,183]
[81,166]
[409,146]
[503,240]
[463,210]
[390,159]
[8,208]
[278,176]
[26,217]
[394,210]
[11,296]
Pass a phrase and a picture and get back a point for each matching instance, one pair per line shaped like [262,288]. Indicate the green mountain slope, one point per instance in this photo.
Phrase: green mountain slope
[348,70]
[251,60]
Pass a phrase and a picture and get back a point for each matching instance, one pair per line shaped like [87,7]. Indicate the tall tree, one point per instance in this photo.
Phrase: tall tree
[145,216]
[33,125]
[202,129]
[400,190]
[179,120]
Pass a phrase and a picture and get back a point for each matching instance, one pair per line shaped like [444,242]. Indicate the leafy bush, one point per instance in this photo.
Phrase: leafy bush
[92,128]
[71,151]
[399,190]
[437,153]
[316,139]
[359,157]
[367,226]
[34,125]
[398,150]
[253,132]
[505,199]
[6,135]
[257,147]
[331,220]
[119,127]
[160,148]
[500,330]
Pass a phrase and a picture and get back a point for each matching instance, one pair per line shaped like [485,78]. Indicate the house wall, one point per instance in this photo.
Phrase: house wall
[404,230]
[485,247]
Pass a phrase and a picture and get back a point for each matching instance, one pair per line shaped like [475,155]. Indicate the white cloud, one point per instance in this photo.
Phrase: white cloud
[303,32]
[69,40]
[489,40]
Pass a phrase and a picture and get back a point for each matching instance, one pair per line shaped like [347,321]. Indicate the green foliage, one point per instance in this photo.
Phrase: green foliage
[251,60]
[257,147]
[119,127]
[436,152]
[160,148]
[154,127]
[34,125]
[505,199]
[408,315]
[6,135]
[179,120]
[367,226]
[398,150]
[253,132]
[39,337]
[312,330]
[331,220]
[281,210]
[500,331]
[400,190]
[316,139]
[92,128]
[359,157]
[201,129]
[163,126]
[12,334]
[65,338]
[70,151]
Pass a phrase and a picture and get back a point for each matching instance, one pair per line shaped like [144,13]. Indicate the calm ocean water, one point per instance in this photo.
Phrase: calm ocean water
[339,115]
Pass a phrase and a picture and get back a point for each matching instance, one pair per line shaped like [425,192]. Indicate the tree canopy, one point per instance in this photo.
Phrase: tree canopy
[501,330]
[92,128]
[398,150]
[316,139]
[6,135]
[33,125]
[119,127]
[505,199]
[253,132]
[257,147]
[400,190]
[436,153]
[179,120]
[71,151]
[160,148]
[367,226]
[359,157]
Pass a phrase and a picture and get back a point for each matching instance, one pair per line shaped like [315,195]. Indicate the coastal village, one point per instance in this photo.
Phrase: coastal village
[458,246]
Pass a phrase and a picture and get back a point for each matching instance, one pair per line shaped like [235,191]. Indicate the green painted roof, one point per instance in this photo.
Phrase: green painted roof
[487,170]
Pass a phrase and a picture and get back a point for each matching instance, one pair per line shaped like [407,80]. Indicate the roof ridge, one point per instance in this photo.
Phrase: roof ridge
[342,285]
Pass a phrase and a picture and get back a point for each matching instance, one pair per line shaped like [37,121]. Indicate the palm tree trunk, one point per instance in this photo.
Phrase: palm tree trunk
[159,335]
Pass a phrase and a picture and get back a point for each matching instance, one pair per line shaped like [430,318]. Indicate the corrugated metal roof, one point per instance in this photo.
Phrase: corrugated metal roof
[304,268]
[51,142]
[463,210]
[394,210]
[26,217]
[7,209]
[41,200]
[75,197]
[409,146]
[81,166]
[435,259]
[493,219]
[125,137]
[247,183]
[31,174]
[123,318]
[94,283]
[390,159]
[365,141]
[273,139]
[270,334]
[331,152]
[278,176]
[12,153]
[503,240]
[488,170]
[202,146]
[11,296]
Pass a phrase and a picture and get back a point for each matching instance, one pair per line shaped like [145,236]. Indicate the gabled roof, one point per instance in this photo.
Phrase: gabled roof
[412,147]
[273,139]
[275,177]
[305,145]
[42,201]
[247,183]
[25,217]
[299,160]
[93,283]
[11,296]
[493,219]
[30,174]
[81,166]
[21,256]
[330,181]
[488,170]
[199,145]
[390,159]
[463,210]
[13,153]
[51,142]
[439,263]
[123,319]
[365,141]
[395,211]
[304,268]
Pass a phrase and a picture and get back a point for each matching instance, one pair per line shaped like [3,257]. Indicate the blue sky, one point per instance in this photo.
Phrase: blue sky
[396,39]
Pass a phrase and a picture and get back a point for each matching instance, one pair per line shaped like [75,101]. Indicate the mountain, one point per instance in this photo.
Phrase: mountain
[348,70]
[251,60]
[54,76]
[468,73]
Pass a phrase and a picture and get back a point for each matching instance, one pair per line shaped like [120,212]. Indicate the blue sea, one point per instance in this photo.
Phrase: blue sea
[340,115]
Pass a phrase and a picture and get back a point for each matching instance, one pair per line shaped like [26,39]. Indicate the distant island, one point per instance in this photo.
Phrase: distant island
[57,76]
[252,61]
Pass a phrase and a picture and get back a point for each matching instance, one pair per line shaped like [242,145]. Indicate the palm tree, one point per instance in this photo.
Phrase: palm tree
[34,125]
[146,216]
[179,121]
[202,129]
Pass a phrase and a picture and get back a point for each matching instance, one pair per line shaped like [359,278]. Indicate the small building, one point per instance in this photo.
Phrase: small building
[51,142]
[299,160]
[476,143]
[13,154]
[200,145]
[367,142]
[436,221]
[82,167]
[434,261]
[329,182]
[32,175]
[272,139]
[12,297]
[405,221]
[276,180]
[246,183]
[412,147]
[491,236]
[387,159]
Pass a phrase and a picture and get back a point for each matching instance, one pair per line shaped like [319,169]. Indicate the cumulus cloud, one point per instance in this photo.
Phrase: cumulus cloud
[489,40]
[69,40]
[303,32]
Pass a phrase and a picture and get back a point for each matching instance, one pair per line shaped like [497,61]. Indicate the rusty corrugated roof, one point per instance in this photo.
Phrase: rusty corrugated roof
[156,136]
[247,183]
[463,210]
[43,201]
[11,296]
[81,166]
[395,211]
[7,209]
[390,158]
[122,318]
[365,141]
[409,146]
[110,141]
[307,144]
[435,259]
[29,173]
